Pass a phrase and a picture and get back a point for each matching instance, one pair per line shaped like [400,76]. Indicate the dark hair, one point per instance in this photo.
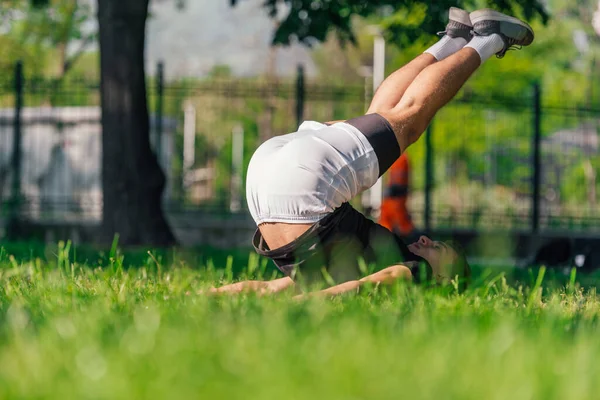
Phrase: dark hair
[422,271]
[461,265]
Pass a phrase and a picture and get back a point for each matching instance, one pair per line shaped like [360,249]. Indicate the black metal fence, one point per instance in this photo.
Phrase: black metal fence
[484,163]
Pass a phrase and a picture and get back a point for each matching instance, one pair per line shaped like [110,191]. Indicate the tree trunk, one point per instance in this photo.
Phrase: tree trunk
[132,180]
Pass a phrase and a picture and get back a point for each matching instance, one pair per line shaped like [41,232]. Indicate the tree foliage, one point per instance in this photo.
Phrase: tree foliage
[42,34]
[310,21]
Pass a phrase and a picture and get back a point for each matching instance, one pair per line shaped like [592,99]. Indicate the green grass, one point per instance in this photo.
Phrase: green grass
[129,330]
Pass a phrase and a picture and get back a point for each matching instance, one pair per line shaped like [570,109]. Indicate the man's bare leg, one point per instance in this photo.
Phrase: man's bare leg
[393,87]
[457,35]
[432,89]
[438,83]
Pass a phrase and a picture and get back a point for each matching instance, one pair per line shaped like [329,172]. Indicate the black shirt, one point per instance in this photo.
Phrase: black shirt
[344,246]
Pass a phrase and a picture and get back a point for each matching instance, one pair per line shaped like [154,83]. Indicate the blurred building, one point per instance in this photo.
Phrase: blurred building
[61,161]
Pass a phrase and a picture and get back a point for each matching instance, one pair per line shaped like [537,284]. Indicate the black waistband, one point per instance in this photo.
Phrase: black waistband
[381,136]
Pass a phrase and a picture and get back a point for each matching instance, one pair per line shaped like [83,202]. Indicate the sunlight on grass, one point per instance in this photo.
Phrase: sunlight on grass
[70,330]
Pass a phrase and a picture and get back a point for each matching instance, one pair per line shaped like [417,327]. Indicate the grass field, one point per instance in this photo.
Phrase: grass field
[116,329]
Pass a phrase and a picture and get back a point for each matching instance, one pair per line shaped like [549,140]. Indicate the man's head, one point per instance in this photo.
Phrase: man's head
[447,259]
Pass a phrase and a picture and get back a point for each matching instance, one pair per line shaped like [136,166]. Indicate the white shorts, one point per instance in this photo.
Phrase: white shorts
[303,176]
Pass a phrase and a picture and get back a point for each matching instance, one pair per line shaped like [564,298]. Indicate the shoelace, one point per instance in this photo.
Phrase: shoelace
[456,25]
[442,33]
[509,43]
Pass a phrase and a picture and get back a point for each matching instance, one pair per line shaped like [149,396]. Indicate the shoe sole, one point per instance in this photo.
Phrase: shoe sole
[492,15]
[460,15]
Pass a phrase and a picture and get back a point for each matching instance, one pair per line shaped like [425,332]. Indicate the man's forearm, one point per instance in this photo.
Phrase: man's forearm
[260,287]
[386,276]
[333,291]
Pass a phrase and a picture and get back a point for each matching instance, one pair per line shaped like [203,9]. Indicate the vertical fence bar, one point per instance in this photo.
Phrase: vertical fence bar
[537,167]
[428,176]
[17,150]
[376,191]
[159,111]
[237,164]
[300,93]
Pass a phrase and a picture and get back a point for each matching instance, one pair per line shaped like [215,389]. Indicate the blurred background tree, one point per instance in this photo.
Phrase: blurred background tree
[49,40]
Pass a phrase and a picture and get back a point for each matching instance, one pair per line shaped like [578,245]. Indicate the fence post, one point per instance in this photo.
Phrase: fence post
[300,92]
[17,150]
[537,167]
[159,111]
[428,176]
[237,164]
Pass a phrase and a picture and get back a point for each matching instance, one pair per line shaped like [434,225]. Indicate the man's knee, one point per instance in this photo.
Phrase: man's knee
[407,115]
[379,109]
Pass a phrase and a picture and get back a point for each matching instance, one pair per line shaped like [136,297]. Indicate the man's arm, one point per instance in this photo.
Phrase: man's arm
[259,287]
[386,276]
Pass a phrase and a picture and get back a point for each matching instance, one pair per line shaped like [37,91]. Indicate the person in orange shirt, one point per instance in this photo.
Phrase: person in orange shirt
[394,212]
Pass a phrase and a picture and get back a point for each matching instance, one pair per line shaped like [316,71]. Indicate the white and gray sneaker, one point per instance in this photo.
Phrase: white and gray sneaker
[459,24]
[513,31]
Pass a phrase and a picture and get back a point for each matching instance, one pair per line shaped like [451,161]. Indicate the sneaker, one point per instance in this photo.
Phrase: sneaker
[459,25]
[513,31]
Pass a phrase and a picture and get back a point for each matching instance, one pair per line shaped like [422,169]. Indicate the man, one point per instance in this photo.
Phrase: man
[299,185]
